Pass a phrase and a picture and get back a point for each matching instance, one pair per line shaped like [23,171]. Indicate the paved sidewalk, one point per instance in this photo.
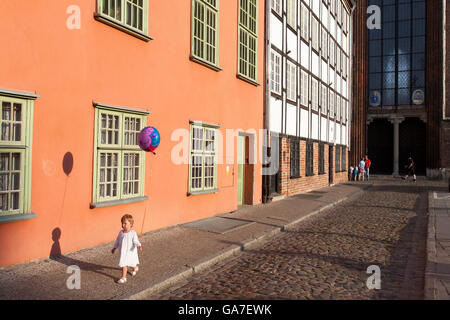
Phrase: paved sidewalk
[437,275]
[169,254]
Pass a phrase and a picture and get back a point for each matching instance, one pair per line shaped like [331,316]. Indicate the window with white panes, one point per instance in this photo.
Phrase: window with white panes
[344,112]
[275,72]
[338,59]
[324,43]
[203,159]
[292,13]
[291,81]
[314,94]
[119,163]
[131,13]
[332,52]
[338,108]
[344,67]
[248,38]
[331,103]
[338,12]
[276,6]
[324,96]
[346,17]
[16,125]
[304,22]
[205,31]
[320,96]
[304,85]
[315,33]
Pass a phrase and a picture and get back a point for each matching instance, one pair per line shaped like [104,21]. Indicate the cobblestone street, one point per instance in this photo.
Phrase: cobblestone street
[327,255]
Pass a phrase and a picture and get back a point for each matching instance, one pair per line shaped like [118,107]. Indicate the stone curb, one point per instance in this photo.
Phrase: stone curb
[430,285]
[227,253]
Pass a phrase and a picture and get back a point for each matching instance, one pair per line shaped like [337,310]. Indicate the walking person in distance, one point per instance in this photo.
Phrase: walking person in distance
[411,169]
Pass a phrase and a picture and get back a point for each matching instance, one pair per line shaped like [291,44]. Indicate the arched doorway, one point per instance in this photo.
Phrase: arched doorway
[412,142]
[381,146]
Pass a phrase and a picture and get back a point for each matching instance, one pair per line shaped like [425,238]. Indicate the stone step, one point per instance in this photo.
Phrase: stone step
[277,197]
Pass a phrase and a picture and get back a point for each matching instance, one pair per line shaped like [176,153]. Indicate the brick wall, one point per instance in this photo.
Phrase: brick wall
[447,60]
[445,127]
[303,184]
[359,88]
[445,144]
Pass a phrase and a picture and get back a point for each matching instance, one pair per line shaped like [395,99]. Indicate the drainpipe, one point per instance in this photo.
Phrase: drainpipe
[444,66]
[350,85]
[266,178]
[444,51]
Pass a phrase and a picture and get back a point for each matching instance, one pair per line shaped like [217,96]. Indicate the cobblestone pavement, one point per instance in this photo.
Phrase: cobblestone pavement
[327,256]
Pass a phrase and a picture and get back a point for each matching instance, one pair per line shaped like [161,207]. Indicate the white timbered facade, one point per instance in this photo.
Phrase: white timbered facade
[308,93]
[309,66]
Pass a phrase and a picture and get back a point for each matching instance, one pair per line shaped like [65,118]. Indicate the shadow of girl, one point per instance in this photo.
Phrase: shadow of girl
[55,254]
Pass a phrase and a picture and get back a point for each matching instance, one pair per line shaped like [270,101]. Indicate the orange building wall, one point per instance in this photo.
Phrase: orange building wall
[71,68]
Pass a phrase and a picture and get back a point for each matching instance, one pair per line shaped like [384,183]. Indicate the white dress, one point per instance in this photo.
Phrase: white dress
[128,244]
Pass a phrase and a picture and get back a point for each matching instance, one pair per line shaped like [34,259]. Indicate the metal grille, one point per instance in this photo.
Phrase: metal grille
[343,162]
[309,158]
[321,158]
[337,166]
[295,158]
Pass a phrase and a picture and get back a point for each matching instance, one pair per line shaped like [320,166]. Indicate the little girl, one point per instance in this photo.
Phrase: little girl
[127,241]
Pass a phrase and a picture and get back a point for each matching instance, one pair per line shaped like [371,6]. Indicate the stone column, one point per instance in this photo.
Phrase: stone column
[396,122]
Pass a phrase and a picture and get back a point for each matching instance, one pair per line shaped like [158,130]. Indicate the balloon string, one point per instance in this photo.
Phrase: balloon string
[142,229]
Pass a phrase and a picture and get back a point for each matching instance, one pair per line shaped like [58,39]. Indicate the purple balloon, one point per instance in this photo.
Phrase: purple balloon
[149,139]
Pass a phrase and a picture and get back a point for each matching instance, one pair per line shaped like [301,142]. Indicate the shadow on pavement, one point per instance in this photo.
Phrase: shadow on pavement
[55,255]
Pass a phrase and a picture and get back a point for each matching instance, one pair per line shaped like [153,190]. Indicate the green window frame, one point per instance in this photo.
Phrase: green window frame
[205,32]
[248,40]
[130,16]
[119,163]
[16,130]
[203,159]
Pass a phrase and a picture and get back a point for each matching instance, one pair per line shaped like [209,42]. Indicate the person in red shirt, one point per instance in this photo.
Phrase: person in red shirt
[367,167]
